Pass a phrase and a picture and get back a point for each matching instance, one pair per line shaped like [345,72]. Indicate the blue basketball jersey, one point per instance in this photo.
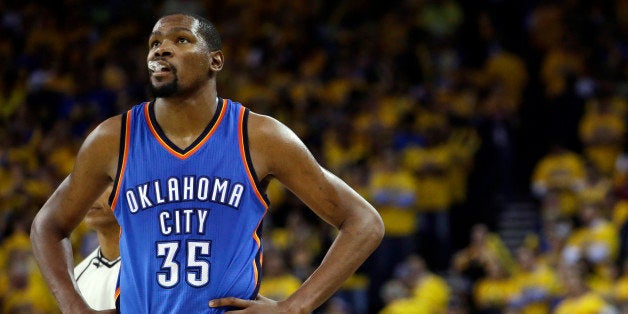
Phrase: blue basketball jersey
[190,218]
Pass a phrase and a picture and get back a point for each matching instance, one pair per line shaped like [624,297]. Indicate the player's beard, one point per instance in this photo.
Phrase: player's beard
[166,90]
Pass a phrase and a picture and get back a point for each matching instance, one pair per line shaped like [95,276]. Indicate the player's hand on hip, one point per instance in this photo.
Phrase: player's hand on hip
[259,305]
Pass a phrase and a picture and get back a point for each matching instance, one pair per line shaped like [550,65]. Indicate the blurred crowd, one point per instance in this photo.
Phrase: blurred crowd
[439,112]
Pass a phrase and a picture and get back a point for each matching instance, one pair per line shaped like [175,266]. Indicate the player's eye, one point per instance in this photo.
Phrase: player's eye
[154,43]
[182,40]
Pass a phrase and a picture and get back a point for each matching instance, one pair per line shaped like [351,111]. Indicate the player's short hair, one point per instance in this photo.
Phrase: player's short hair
[208,32]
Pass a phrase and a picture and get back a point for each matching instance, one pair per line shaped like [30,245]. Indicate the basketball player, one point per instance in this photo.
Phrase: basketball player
[97,274]
[189,171]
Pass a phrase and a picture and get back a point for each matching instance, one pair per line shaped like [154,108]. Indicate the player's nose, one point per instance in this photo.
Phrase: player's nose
[164,50]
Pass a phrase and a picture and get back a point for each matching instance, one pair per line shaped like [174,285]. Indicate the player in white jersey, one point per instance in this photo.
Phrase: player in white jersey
[97,274]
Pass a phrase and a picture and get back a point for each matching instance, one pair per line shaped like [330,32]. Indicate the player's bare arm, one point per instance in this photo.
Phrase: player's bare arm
[276,151]
[94,168]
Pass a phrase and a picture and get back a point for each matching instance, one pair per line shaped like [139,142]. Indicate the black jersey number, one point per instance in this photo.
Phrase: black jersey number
[196,268]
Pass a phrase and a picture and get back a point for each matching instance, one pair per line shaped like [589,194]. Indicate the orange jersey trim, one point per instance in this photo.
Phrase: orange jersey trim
[197,146]
[259,247]
[255,272]
[243,155]
[127,140]
[255,187]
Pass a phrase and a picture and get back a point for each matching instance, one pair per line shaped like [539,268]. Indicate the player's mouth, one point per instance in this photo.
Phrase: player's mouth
[159,67]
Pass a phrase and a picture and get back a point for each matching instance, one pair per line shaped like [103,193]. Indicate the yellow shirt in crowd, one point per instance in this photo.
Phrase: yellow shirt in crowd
[493,293]
[589,303]
[561,173]
[609,126]
[541,279]
[398,220]
[280,287]
[430,296]
[433,187]
[602,232]
[434,290]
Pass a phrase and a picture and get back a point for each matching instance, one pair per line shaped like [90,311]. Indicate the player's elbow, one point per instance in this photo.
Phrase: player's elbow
[379,228]
[42,228]
[366,227]
[375,225]
[35,230]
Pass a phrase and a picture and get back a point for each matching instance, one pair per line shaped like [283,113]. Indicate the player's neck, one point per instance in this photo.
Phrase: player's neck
[191,110]
[109,244]
[202,98]
[184,119]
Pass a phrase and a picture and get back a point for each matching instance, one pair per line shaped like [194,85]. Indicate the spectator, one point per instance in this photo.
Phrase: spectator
[557,178]
[535,284]
[393,191]
[485,247]
[578,298]
[596,241]
[492,293]
[278,282]
[431,166]
[417,290]
[602,131]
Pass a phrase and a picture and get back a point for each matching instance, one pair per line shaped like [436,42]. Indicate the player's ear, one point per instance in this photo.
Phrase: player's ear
[216,60]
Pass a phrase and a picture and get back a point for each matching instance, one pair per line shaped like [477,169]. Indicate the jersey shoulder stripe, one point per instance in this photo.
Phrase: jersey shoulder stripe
[125,138]
[246,156]
[263,199]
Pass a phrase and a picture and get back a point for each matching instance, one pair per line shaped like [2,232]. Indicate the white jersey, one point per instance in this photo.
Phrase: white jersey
[97,278]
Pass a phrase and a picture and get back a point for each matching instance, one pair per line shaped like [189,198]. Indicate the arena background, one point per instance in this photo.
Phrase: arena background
[490,134]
